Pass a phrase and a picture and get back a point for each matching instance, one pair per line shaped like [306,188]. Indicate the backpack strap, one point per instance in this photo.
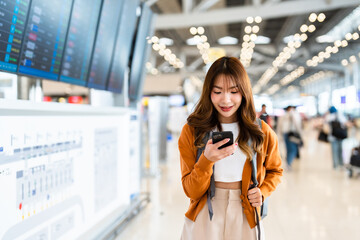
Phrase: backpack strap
[264,206]
[254,160]
[254,180]
[211,190]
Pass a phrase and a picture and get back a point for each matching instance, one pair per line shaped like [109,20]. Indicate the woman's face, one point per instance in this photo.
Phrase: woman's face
[226,99]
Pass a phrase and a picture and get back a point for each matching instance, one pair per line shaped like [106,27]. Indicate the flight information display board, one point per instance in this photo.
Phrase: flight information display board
[104,44]
[67,182]
[141,53]
[124,41]
[12,25]
[45,38]
[79,42]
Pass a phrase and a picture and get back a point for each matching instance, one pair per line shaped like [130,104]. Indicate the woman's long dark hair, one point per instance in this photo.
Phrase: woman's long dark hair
[205,116]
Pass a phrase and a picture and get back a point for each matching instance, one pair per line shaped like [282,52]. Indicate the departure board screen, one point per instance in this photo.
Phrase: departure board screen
[124,41]
[104,44]
[80,41]
[45,38]
[13,15]
[141,53]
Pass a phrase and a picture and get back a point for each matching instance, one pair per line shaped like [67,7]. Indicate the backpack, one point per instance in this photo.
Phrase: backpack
[355,157]
[338,130]
[264,117]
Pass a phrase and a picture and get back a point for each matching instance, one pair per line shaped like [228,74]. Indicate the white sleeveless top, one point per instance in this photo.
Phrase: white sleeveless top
[230,169]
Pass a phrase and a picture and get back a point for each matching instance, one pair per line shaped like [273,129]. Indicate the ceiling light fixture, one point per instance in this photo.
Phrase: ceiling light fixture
[248,45]
[200,40]
[312,17]
[332,50]
[293,42]
[348,36]
[321,17]
[324,39]
[312,28]
[228,40]
[166,41]
[151,69]
[165,52]
[274,88]
[249,20]
[262,40]
[258,19]
[352,59]
[355,36]
[304,28]
[315,77]
[193,30]
[200,30]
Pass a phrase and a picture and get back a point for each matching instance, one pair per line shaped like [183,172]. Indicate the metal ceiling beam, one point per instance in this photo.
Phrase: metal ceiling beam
[272,1]
[239,14]
[205,5]
[195,64]
[257,68]
[187,5]
[256,3]
[291,26]
[150,2]
[329,66]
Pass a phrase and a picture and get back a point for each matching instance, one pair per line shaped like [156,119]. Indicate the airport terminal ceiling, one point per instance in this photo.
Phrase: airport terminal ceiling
[280,19]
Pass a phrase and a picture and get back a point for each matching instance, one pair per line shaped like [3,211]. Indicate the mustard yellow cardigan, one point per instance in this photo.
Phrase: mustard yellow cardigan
[196,176]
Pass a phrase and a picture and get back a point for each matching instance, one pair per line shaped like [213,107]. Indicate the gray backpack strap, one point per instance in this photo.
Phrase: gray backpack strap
[200,150]
[254,159]
[211,190]
[264,206]
[254,180]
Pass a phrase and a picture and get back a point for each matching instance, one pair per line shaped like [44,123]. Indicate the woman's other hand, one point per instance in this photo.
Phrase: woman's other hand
[255,197]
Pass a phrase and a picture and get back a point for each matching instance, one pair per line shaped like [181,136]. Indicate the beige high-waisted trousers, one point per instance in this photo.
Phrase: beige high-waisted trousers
[228,222]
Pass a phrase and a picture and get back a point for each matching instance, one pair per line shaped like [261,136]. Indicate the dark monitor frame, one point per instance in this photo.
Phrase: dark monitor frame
[140,54]
[94,47]
[123,45]
[91,49]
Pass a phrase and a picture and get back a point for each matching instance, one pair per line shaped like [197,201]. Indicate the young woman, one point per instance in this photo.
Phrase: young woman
[226,104]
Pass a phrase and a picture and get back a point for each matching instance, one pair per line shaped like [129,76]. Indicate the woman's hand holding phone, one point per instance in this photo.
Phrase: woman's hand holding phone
[214,154]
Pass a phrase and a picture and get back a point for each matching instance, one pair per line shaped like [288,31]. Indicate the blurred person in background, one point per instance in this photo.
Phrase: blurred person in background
[218,181]
[289,124]
[332,118]
[264,116]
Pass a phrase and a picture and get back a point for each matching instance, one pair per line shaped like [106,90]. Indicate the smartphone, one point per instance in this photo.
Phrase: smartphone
[218,136]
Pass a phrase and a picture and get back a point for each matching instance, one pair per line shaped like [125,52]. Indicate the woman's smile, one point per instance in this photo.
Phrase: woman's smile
[226,109]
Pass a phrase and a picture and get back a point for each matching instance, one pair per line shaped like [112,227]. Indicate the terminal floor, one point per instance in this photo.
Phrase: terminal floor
[314,201]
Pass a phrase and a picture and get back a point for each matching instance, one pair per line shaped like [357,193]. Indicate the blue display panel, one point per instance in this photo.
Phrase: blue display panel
[13,15]
[123,46]
[140,53]
[80,41]
[45,38]
[104,44]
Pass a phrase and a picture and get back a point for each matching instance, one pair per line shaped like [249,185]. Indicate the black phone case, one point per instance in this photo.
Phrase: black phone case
[218,136]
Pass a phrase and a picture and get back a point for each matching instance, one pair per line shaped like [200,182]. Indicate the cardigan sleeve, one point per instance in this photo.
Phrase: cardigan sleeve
[272,163]
[195,176]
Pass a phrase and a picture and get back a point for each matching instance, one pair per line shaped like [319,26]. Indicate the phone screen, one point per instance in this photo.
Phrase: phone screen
[218,136]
